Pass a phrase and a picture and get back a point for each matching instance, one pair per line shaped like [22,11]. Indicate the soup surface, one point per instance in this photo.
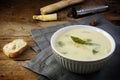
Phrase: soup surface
[83,44]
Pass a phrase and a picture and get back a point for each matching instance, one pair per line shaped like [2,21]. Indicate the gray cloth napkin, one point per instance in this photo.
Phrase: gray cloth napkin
[45,64]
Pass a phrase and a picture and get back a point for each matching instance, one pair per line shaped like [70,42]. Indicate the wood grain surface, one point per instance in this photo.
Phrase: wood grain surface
[16,22]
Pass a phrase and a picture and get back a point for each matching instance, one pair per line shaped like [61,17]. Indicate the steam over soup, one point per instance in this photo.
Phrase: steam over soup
[83,44]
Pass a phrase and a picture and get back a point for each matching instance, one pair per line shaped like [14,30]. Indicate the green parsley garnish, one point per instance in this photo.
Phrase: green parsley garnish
[95,51]
[60,43]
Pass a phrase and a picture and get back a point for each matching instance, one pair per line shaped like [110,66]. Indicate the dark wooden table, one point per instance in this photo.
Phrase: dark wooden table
[16,22]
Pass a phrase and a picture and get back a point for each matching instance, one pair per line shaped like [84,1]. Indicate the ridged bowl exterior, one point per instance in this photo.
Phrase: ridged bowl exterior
[81,66]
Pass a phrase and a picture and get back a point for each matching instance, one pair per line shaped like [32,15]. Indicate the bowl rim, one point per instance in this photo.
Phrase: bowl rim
[113,44]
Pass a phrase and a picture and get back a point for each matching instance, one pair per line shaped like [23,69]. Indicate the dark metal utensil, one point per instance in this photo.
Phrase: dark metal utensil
[85,11]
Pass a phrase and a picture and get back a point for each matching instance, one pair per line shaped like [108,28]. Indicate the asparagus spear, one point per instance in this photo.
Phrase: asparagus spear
[58,5]
[48,17]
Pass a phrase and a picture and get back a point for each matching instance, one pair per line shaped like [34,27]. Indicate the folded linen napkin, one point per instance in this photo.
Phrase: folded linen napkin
[45,64]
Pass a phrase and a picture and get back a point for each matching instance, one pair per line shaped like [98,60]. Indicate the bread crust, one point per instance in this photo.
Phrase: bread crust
[18,52]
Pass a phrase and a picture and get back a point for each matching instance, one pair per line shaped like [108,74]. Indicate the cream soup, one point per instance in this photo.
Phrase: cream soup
[83,44]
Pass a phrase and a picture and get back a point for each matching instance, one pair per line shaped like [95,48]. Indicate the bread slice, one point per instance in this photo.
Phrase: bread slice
[15,48]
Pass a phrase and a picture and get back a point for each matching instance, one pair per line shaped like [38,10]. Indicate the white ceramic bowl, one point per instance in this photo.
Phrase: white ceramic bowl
[81,66]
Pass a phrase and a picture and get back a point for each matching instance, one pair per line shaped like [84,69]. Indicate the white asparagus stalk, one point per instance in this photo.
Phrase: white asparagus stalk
[58,5]
[48,17]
